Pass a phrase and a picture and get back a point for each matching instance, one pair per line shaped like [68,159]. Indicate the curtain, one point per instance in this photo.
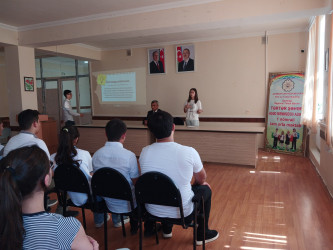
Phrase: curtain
[308,117]
[329,109]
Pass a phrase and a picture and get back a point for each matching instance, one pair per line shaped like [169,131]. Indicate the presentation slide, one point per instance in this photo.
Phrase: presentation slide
[121,87]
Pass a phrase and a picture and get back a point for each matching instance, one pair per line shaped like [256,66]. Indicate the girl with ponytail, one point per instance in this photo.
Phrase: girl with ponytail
[24,176]
[68,153]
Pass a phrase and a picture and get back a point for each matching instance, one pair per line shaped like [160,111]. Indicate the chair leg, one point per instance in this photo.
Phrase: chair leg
[84,219]
[123,225]
[195,227]
[64,202]
[140,228]
[204,222]
[156,234]
[105,231]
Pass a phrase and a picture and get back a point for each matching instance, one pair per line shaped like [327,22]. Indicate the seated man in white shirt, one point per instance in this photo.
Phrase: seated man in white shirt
[114,155]
[30,125]
[180,163]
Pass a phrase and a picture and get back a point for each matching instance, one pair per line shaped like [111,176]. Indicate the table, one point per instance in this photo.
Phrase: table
[232,143]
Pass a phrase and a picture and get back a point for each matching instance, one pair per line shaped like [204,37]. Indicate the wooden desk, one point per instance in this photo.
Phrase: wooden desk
[223,143]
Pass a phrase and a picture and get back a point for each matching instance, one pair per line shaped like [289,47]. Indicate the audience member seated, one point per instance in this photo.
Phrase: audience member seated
[154,109]
[114,155]
[68,153]
[180,163]
[24,176]
[29,125]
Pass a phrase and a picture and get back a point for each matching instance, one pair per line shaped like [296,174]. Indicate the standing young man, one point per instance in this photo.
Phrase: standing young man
[68,112]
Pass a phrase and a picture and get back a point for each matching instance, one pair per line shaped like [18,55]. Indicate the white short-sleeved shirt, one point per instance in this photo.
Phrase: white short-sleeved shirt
[85,161]
[114,155]
[1,147]
[24,139]
[179,163]
[192,112]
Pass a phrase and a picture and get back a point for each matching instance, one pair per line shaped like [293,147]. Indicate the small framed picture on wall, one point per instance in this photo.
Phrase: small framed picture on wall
[185,58]
[156,61]
[28,83]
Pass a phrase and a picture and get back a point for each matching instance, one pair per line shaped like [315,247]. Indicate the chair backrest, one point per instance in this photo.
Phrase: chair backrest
[157,188]
[4,137]
[110,183]
[70,178]
[178,121]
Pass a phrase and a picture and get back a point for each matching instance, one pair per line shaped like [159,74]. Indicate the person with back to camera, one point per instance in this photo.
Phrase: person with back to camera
[68,153]
[192,108]
[68,112]
[25,173]
[30,125]
[181,164]
[114,155]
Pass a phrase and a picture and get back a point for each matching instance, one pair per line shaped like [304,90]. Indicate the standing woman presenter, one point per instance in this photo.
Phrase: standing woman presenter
[192,108]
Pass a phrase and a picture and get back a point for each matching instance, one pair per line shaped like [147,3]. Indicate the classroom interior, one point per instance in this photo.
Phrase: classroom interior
[283,203]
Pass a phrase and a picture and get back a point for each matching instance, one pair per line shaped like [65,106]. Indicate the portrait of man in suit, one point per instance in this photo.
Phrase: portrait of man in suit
[185,62]
[156,66]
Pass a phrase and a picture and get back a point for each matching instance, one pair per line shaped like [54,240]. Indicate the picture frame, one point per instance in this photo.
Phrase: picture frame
[156,61]
[185,58]
[29,84]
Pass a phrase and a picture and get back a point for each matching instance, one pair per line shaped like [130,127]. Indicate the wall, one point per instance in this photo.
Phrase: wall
[325,167]
[3,87]
[230,75]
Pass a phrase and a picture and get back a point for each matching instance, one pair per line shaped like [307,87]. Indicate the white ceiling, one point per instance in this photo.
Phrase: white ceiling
[25,15]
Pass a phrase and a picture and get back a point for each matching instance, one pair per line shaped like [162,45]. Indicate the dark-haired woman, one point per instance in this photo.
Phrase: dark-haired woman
[68,153]
[192,108]
[24,176]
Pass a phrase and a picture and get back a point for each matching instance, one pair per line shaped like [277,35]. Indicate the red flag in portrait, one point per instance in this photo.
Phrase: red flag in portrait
[162,56]
[179,54]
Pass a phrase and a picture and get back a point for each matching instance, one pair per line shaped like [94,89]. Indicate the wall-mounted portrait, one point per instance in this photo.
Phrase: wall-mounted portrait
[156,61]
[185,58]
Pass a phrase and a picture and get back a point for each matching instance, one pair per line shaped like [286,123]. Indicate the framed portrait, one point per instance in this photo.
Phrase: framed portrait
[185,58]
[156,61]
[28,83]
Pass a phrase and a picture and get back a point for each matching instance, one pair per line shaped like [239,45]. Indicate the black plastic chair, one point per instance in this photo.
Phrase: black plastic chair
[109,183]
[158,189]
[68,178]
[178,121]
